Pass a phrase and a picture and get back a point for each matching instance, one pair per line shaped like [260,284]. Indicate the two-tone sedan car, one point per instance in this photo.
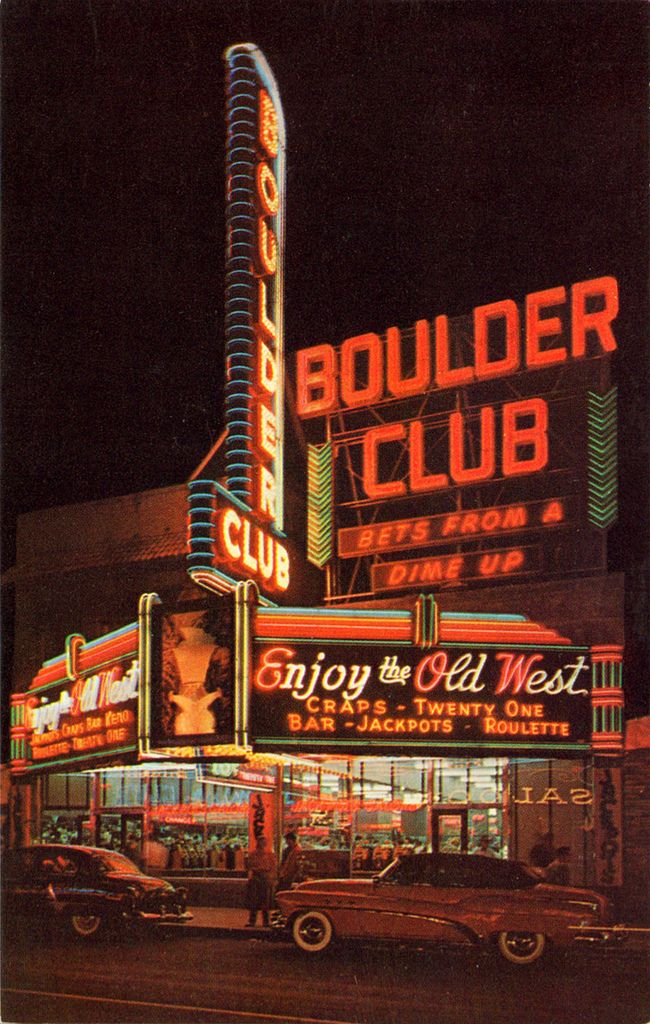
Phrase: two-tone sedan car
[443,898]
[84,889]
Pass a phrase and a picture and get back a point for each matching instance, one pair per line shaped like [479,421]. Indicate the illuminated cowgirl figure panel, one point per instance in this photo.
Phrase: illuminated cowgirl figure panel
[236,531]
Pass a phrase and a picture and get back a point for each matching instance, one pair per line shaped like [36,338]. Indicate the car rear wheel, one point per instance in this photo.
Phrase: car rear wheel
[85,924]
[312,931]
[521,947]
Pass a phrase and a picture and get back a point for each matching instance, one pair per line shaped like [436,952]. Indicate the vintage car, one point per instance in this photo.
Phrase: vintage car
[447,898]
[84,889]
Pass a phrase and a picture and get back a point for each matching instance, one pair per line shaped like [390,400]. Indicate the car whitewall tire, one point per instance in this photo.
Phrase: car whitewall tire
[312,931]
[521,947]
[85,926]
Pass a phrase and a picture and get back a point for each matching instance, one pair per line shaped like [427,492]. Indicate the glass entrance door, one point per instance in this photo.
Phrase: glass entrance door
[449,831]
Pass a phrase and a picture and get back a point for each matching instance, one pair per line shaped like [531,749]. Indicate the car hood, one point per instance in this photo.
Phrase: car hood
[565,892]
[143,882]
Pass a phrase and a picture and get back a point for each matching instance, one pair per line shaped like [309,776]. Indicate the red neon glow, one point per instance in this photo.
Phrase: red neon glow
[267,247]
[399,386]
[485,469]
[446,377]
[538,327]
[263,323]
[91,656]
[316,391]
[267,369]
[535,436]
[352,395]
[318,367]
[599,322]
[266,493]
[268,124]
[483,316]
[419,480]
[399,534]
[514,461]
[319,626]
[266,436]
[371,441]
[267,189]
[248,548]
[440,569]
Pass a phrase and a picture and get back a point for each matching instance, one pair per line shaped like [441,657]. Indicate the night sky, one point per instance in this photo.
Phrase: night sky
[440,156]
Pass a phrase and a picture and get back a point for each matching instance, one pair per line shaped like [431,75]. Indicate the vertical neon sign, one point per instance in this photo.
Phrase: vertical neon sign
[236,532]
[255,186]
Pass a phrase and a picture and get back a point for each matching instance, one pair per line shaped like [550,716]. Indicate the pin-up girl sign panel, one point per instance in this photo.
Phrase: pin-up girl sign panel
[196,683]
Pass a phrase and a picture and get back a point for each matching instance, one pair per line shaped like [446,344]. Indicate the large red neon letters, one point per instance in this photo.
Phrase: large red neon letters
[266,265]
[327,381]
[524,449]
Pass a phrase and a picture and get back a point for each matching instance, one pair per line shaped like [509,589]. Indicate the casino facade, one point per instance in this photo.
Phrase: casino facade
[405,638]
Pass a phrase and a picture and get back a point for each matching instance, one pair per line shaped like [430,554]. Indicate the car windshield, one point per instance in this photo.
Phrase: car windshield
[118,863]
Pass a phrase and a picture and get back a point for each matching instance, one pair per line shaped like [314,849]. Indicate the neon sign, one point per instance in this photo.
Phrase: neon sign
[350,697]
[501,562]
[82,706]
[401,534]
[503,421]
[327,382]
[236,531]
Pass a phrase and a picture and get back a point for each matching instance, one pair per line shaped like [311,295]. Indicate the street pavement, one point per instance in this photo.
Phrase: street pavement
[206,974]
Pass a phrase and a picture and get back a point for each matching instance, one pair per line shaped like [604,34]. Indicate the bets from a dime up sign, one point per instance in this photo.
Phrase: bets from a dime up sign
[82,706]
[236,530]
[465,450]
[351,680]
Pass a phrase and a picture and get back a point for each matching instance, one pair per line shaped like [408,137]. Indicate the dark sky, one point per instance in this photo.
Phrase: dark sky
[439,156]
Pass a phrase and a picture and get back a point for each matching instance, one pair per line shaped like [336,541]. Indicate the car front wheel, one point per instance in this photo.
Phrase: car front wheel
[312,931]
[85,925]
[521,947]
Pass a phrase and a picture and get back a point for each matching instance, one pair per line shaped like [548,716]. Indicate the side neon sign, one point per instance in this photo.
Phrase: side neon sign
[236,531]
[82,706]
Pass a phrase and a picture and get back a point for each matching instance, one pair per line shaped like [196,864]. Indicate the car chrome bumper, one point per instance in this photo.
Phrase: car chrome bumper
[277,920]
[603,935]
[169,917]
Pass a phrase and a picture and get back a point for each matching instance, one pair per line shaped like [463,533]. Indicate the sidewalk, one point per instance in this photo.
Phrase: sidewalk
[222,921]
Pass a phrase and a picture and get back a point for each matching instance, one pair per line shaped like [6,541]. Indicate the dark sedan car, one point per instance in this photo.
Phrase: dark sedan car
[84,889]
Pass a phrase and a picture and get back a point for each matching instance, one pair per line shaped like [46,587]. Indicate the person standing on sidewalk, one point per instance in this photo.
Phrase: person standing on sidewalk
[559,870]
[262,871]
[291,863]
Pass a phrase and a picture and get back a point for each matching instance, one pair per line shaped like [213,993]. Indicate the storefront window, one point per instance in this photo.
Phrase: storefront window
[65,815]
[110,792]
[452,781]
